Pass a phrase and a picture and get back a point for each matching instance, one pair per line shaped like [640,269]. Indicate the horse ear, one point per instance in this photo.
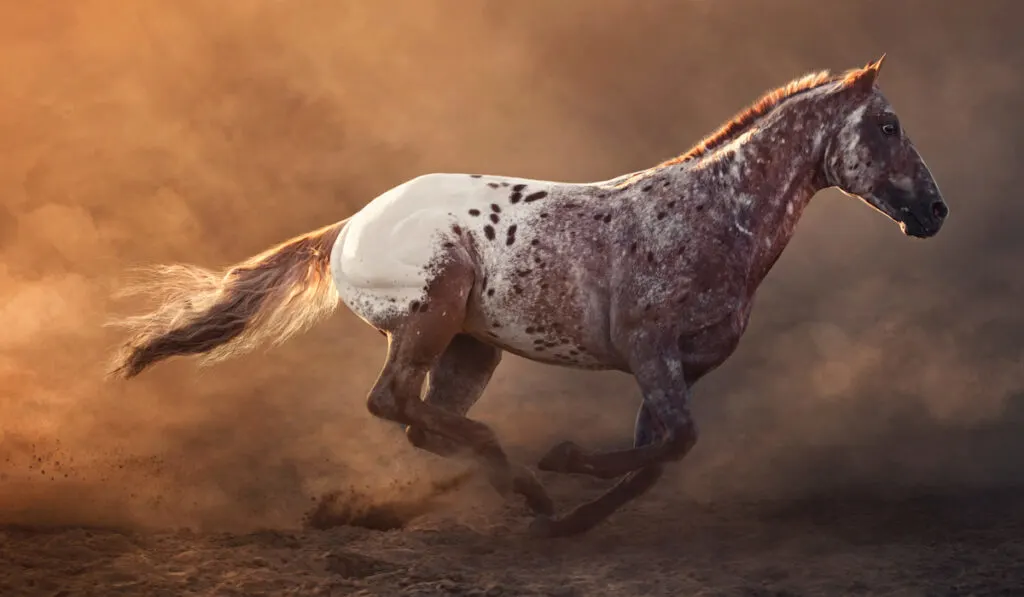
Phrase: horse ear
[863,79]
[877,64]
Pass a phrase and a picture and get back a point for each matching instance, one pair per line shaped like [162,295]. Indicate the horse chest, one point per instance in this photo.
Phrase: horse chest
[704,349]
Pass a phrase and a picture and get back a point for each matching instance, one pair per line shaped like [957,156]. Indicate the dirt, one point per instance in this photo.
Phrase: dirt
[170,132]
[928,543]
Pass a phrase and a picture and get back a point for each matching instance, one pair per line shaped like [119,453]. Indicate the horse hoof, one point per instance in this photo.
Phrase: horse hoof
[526,484]
[560,458]
[538,501]
[502,482]
[542,527]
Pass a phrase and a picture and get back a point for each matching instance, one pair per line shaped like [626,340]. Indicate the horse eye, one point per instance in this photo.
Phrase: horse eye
[890,128]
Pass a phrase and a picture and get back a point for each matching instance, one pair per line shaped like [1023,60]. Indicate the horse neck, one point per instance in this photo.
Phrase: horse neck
[776,168]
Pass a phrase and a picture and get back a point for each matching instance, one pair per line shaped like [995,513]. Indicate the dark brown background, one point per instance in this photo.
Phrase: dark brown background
[133,133]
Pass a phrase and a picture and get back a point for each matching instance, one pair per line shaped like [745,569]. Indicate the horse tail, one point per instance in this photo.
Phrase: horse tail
[264,299]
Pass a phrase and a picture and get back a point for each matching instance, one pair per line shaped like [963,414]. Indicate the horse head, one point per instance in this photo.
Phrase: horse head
[872,157]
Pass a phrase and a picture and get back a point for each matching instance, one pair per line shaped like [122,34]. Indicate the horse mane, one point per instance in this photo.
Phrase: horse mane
[745,118]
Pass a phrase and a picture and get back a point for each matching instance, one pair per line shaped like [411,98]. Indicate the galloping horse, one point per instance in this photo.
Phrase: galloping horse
[652,273]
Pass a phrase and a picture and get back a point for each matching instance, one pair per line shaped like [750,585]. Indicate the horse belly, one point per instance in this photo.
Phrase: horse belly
[544,315]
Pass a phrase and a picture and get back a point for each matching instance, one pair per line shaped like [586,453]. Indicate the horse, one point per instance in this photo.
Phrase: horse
[652,274]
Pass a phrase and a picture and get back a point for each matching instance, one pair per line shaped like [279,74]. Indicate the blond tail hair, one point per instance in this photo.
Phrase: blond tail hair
[263,300]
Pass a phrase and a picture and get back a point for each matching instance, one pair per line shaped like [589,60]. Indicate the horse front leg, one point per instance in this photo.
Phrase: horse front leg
[627,489]
[664,431]
[665,414]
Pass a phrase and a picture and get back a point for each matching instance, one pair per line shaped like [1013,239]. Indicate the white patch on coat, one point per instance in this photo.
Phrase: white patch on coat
[381,262]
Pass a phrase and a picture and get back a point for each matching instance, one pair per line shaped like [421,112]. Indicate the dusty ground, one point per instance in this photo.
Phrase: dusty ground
[141,133]
[966,543]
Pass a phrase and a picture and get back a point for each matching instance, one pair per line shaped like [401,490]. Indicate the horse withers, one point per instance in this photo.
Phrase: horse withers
[652,273]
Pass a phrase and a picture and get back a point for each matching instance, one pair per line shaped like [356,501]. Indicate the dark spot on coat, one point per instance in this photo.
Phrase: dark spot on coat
[523,272]
[543,214]
[518,188]
[490,292]
[671,204]
[535,196]
[632,248]
[489,232]
[661,215]
[510,237]
[535,242]
[475,175]
[496,208]
[483,283]
[457,229]
[414,306]
[607,218]
[598,217]
[448,245]
[530,329]
[517,289]
[666,183]
[650,257]
[504,184]
[700,207]
[474,212]
[493,185]
[515,197]
[495,218]
[647,188]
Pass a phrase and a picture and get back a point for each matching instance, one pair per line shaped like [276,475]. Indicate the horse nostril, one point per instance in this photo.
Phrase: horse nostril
[939,210]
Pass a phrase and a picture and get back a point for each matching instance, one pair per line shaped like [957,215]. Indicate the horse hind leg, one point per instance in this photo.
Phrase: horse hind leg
[455,383]
[417,344]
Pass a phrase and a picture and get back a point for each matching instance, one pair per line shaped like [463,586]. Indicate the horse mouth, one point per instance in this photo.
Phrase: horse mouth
[913,226]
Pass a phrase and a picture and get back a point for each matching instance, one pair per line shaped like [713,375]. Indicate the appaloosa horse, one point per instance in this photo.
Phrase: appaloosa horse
[652,273]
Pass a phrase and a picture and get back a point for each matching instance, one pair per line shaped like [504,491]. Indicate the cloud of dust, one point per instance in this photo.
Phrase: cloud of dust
[183,133]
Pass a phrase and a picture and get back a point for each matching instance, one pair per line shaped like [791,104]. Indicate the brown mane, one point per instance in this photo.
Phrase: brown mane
[744,119]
